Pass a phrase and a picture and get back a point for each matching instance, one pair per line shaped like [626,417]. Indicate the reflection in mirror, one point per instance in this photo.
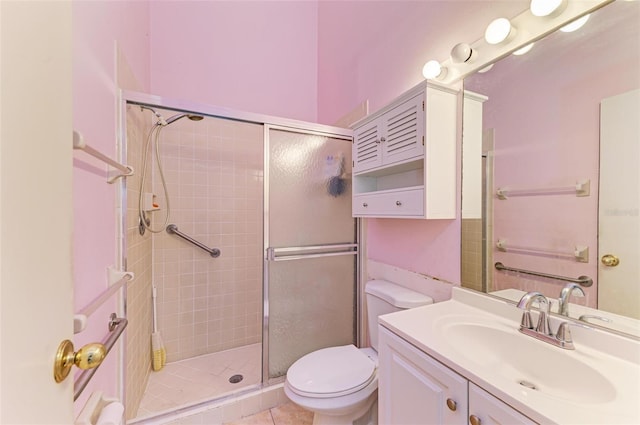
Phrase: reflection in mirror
[550,138]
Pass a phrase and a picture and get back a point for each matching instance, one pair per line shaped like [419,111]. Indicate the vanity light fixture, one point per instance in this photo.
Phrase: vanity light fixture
[433,70]
[547,7]
[461,53]
[499,30]
[524,49]
[575,25]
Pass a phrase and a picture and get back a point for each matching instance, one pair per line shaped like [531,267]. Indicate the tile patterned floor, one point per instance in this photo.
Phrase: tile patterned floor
[190,381]
[286,414]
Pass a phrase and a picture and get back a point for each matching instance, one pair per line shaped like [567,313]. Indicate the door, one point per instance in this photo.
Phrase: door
[619,203]
[413,388]
[486,409]
[310,246]
[36,289]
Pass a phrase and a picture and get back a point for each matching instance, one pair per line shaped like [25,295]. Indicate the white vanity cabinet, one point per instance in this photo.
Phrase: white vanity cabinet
[485,409]
[414,388]
[404,157]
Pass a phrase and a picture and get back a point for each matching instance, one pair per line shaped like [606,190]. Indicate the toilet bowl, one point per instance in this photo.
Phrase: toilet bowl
[340,384]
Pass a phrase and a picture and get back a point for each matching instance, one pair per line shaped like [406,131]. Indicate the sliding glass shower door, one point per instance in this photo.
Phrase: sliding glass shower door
[310,247]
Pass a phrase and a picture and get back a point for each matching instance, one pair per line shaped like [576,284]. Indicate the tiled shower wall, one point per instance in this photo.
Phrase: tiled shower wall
[138,252]
[214,174]
[471,255]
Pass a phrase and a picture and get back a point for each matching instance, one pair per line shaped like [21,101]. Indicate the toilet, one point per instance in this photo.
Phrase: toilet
[339,384]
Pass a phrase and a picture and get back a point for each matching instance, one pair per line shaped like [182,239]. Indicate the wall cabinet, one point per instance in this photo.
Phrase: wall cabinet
[414,388]
[404,157]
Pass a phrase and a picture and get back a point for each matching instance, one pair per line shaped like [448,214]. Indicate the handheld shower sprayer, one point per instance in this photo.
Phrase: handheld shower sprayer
[154,133]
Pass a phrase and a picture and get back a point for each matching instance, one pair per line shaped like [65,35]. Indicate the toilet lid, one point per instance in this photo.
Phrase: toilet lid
[331,372]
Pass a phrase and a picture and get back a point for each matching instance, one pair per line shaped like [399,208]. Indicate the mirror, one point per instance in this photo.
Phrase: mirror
[543,151]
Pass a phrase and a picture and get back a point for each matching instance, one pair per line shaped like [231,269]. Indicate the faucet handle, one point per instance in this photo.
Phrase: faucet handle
[564,336]
[543,326]
[526,322]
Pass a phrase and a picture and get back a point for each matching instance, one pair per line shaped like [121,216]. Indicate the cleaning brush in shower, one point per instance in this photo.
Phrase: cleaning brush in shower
[158,353]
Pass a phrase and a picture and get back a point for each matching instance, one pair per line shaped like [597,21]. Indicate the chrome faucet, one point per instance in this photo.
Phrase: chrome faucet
[543,321]
[543,329]
[565,294]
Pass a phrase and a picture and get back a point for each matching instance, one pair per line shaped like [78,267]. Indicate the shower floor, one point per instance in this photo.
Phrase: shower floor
[201,378]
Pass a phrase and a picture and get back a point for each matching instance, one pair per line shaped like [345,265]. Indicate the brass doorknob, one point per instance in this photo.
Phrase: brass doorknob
[474,420]
[452,405]
[610,260]
[88,357]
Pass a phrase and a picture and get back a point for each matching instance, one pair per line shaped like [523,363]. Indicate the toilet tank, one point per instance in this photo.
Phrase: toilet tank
[384,297]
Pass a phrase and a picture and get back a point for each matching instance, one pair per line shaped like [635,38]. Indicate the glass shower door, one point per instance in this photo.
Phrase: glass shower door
[311,247]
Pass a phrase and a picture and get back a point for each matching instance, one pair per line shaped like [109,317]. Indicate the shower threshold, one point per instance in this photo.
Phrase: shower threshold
[192,381]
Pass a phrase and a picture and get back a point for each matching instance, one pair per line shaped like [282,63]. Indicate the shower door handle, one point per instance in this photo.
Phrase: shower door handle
[314,251]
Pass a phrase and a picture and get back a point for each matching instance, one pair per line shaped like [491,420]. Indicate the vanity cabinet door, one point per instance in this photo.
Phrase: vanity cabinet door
[413,388]
[485,409]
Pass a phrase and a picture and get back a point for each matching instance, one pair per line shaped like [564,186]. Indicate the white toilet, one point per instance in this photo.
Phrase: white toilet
[339,384]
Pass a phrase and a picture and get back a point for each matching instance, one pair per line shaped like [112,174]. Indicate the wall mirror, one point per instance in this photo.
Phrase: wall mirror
[550,170]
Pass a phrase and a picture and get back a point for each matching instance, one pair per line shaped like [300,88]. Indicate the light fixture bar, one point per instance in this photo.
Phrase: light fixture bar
[530,28]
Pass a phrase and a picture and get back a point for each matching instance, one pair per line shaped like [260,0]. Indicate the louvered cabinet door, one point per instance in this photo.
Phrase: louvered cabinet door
[403,131]
[367,151]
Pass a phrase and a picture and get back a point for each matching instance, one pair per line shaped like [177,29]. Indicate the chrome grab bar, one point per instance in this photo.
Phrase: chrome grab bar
[172,229]
[116,327]
[585,281]
[324,251]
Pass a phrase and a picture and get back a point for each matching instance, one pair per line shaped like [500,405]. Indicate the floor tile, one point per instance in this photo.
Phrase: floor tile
[291,414]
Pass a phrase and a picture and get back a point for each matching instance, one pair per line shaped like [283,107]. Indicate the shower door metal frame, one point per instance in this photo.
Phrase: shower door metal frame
[129,97]
[317,251]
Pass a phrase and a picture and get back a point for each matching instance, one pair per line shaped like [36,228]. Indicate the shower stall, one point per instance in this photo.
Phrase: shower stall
[274,197]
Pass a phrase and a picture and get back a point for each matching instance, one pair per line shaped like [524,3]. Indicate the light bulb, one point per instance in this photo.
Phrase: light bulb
[524,49]
[433,69]
[577,24]
[546,7]
[498,31]
[461,53]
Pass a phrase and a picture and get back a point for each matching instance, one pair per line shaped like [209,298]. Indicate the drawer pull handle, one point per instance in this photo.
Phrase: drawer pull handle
[474,420]
[364,204]
[398,203]
[452,405]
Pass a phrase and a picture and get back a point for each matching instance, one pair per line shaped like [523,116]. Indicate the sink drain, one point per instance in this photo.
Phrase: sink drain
[235,379]
[528,385]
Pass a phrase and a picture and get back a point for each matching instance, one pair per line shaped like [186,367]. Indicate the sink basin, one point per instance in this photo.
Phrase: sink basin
[533,364]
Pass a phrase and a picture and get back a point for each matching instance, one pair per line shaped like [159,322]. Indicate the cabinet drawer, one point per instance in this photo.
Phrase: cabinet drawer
[390,203]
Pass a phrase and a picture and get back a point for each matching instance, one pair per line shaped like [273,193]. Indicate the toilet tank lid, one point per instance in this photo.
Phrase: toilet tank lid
[396,295]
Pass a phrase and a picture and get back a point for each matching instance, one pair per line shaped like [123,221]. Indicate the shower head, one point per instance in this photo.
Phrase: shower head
[178,116]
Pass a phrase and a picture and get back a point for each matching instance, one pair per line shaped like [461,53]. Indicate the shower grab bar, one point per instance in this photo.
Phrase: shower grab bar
[579,189]
[79,143]
[116,327]
[585,281]
[326,251]
[80,318]
[172,229]
[578,253]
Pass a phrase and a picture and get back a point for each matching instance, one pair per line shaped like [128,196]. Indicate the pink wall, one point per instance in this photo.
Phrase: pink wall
[96,24]
[255,56]
[375,51]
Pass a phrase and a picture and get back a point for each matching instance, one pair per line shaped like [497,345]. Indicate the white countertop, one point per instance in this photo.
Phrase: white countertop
[615,358]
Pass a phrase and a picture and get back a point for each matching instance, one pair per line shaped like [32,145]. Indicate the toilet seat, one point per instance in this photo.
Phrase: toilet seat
[331,372]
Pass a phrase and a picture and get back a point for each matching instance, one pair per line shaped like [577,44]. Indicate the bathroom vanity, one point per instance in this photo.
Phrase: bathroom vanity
[464,361]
